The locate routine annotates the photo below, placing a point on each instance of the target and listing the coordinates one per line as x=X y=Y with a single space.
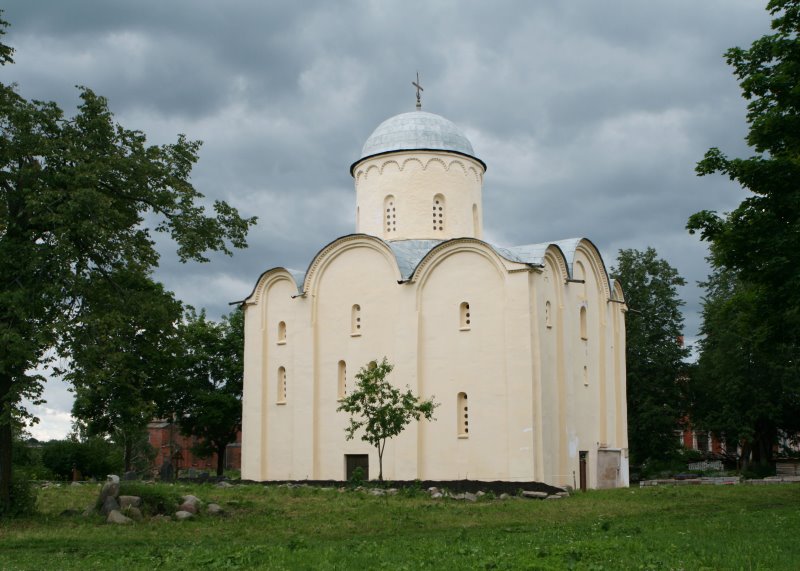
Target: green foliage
x=654 y=355
x=380 y=410
x=356 y=478
x=76 y=197
x=156 y=499
x=749 y=373
x=22 y=499
x=94 y=457
x=207 y=385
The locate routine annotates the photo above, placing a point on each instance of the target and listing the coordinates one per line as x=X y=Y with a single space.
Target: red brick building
x=171 y=445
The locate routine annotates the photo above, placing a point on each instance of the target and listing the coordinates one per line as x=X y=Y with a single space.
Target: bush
x=23 y=498
x=93 y=457
x=155 y=499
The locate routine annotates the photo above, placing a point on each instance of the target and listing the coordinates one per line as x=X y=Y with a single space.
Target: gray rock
x=110 y=490
x=110 y=504
x=114 y=516
x=129 y=501
x=458 y=496
x=215 y=509
x=433 y=490
x=133 y=513
x=112 y=478
x=480 y=493
x=160 y=518
x=73 y=484
x=470 y=497
x=504 y=496
x=187 y=507
x=224 y=484
x=392 y=491
x=190 y=499
x=563 y=494
x=553 y=497
x=182 y=515
x=535 y=495
x=377 y=492
x=436 y=496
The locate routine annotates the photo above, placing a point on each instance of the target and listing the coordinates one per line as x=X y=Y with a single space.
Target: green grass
x=692 y=527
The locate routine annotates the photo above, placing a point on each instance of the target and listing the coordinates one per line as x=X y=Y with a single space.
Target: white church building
x=523 y=347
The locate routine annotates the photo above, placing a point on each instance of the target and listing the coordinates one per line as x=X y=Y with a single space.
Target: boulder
x=114 y=516
x=470 y=497
x=134 y=513
x=215 y=509
x=224 y=484
x=392 y=491
x=110 y=490
x=480 y=493
x=535 y=495
x=436 y=496
x=182 y=515
x=190 y=499
x=114 y=479
x=433 y=490
x=110 y=504
x=188 y=507
x=377 y=492
x=553 y=497
x=129 y=501
x=504 y=496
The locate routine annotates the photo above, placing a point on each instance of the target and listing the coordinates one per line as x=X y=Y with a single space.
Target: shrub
x=155 y=499
x=23 y=498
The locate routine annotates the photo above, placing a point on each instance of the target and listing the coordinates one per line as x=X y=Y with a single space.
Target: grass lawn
x=692 y=527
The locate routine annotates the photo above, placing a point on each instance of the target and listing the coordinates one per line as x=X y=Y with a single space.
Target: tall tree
x=380 y=410
x=757 y=246
x=208 y=382
x=654 y=353
x=123 y=357
x=75 y=198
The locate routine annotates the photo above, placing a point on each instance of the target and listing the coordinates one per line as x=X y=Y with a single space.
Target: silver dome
x=416 y=130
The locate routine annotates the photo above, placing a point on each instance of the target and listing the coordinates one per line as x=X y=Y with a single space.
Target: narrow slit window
x=281 y=332
x=475 y=225
x=355 y=320
x=585 y=376
x=281 y=385
x=438 y=213
x=389 y=216
x=342 y=380
x=463 y=415
x=465 y=316
x=584 y=334
x=548 y=318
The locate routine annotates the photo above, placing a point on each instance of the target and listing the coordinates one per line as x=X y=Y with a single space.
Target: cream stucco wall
x=532 y=409
x=414 y=180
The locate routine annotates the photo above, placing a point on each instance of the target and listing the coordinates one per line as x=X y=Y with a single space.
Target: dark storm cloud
x=590 y=115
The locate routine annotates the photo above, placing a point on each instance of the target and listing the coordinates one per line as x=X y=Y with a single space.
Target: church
x=523 y=347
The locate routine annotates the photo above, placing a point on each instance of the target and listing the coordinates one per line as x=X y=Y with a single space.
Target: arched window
x=389 y=216
x=438 y=213
x=584 y=334
x=355 y=320
x=281 y=333
x=464 y=316
x=475 y=230
x=281 y=396
x=463 y=416
x=548 y=317
x=342 y=382
x=585 y=376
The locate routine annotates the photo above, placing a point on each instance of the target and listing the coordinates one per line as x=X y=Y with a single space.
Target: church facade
x=522 y=347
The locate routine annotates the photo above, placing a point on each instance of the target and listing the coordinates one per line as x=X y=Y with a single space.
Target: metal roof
x=417 y=130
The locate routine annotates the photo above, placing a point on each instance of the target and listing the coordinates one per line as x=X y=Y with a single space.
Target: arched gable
x=452 y=247
x=265 y=281
x=596 y=264
x=340 y=245
x=616 y=289
x=555 y=255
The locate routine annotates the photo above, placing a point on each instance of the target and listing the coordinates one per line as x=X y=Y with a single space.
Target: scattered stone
x=480 y=493
x=215 y=509
x=182 y=515
x=535 y=495
x=75 y=484
x=436 y=496
x=377 y=492
x=470 y=497
x=188 y=507
x=504 y=496
x=190 y=499
x=563 y=494
x=130 y=501
x=114 y=516
x=110 y=504
x=130 y=476
x=134 y=513
x=554 y=497
x=433 y=490
x=392 y=491
x=160 y=518
x=114 y=479
x=224 y=484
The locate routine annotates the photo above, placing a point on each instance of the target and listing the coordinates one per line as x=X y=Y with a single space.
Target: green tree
x=76 y=195
x=654 y=354
x=381 y=410
x=123 y=356
x=755 y=249
x=208 y=382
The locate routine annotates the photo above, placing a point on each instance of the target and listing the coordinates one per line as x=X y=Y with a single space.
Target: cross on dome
x=419 y=88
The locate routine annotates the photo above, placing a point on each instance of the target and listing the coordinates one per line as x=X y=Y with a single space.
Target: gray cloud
x=590 y=115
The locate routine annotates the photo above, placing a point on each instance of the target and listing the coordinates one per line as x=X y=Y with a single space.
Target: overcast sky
x=590 y=115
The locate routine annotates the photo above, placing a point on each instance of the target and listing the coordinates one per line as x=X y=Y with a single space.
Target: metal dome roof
x=417 y=130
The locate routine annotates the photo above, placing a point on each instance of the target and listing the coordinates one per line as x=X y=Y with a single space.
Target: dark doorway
x=353 y=461
x=584 y=462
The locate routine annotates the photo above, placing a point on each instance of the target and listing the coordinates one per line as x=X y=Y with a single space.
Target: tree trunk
x=380 y=463
x=745 y=455
x=128 y=452
x=221 y=458
x=5 y=462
